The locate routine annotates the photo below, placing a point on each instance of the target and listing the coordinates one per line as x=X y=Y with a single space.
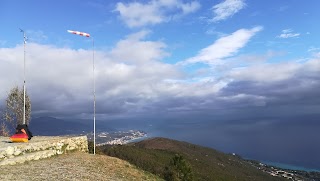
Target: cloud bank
x=134 y=81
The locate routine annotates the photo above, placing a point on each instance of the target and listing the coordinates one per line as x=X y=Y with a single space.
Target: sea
x=285 y=144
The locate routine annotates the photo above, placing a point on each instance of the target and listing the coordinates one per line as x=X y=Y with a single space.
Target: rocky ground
x=75 y=166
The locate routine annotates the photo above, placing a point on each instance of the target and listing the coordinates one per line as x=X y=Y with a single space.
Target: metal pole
x=94 y=87
x=94 y=101
x=24 y=77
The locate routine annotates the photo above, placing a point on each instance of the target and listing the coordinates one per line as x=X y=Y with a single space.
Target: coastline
x=289 y=166
x=122 y=137
x=137 y=139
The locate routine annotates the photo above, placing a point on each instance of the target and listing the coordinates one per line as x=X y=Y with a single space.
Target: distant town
x=295 y=175
x=118 y=137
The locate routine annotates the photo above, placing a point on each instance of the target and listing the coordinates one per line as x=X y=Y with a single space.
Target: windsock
x=79 y=33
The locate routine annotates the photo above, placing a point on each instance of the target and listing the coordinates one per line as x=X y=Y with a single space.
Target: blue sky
x=249 y=63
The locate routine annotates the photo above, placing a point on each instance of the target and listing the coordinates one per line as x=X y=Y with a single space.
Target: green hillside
x=170 y=159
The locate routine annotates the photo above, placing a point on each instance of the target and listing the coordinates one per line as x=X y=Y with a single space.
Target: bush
x=179 y=169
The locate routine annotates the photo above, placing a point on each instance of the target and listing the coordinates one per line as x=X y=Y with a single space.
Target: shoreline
x=289 y=166
x=127 y=137
x=285 y=166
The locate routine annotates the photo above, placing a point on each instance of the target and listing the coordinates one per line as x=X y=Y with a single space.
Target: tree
x=4 y=130
x=13 y=113
x=179 y=169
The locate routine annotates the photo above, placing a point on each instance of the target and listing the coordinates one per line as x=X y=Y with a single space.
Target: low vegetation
x=175 y=160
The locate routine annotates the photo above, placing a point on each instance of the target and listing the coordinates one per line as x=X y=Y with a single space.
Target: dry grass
x=75 y=166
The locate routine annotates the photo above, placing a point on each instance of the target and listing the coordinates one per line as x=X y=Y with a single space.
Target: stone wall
x=40 y=147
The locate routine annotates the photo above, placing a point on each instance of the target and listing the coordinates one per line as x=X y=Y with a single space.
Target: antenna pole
x=94 y=101
x=24 y=76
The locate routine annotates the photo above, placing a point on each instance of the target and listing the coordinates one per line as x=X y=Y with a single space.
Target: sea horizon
x=260 y=143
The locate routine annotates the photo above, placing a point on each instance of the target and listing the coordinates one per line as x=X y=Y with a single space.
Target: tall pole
x=94 y=87
x=94 y=101
x=24 y=76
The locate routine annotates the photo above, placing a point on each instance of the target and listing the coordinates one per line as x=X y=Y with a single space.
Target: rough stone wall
x=21 y=152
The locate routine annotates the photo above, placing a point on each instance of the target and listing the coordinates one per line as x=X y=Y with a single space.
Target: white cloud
x=313 y=49
x=227 y=9
x=277 y=71
x=288 y=33
x=286 y=30
x=189 y=7
x=265 y=72
x=313 y=65
x=224 y=47
x=137 y=14
x=135 y=51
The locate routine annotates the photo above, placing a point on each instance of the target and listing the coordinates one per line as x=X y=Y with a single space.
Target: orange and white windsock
x=79 y=33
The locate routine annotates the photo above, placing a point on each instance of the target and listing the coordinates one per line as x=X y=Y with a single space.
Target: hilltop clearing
x=75 y=166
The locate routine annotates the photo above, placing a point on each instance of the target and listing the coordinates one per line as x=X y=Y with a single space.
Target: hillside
x=75 y=166
x=155 y=155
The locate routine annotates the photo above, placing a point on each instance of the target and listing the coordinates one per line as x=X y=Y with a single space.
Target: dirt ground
x=75 y=166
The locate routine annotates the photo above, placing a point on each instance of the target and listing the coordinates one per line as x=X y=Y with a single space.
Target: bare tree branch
x=13 y=113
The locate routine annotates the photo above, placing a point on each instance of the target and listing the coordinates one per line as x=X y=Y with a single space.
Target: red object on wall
x=19 y=137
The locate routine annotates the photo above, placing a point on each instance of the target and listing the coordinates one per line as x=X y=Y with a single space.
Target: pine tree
x=179 y=170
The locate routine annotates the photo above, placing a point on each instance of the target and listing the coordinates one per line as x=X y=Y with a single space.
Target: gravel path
x=75 y=166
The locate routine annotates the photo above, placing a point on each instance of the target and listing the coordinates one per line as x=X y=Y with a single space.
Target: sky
x=241 y=62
